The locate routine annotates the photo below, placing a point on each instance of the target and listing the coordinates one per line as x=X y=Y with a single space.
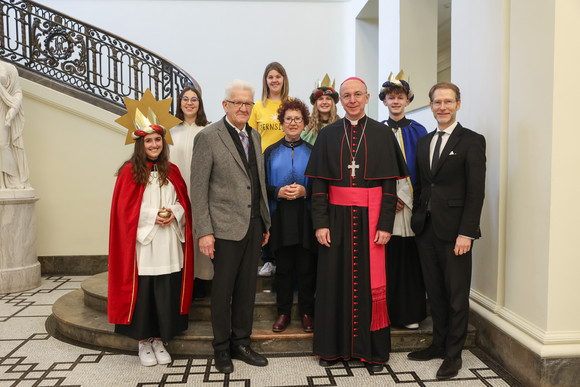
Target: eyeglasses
x=446 y=103
x=295 y=119
x=186 y=100
x=357 y=95
x=239 y=104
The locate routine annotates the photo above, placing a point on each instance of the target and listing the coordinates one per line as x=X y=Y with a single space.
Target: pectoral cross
x=353 y=167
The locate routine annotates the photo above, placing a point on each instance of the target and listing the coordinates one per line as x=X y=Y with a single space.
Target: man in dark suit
x=230 y=208
x=448 y=197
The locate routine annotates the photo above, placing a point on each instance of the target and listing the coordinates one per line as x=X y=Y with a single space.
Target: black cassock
x=344 y=304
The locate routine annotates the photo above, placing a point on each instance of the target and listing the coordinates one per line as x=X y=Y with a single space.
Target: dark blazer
x=455 y=189
x=220 y=185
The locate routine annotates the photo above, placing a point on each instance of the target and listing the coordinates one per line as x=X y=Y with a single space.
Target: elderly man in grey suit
x=230 y=208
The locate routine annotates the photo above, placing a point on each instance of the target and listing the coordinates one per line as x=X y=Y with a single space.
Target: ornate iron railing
x=84 y=57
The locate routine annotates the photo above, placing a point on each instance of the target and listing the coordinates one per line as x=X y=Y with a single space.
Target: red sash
x=371 y=198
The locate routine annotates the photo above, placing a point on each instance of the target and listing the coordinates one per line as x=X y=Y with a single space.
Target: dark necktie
x=437 y=151
x=245 y=142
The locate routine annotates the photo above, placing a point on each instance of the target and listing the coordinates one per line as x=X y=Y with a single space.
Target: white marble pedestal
x=19 y=266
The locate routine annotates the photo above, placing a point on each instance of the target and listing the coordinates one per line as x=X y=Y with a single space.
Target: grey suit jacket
x=220 y=185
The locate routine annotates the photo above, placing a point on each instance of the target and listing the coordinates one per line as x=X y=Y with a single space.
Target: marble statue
x=13 y=166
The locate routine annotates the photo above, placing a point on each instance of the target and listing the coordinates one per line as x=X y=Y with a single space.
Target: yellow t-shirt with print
x=265 y=120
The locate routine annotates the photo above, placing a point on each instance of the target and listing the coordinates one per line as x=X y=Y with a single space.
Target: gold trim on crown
x=400 y=77
x=325 y=82
x=157 y=113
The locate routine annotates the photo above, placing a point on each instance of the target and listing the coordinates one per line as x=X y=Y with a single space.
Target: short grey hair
x=238 y=84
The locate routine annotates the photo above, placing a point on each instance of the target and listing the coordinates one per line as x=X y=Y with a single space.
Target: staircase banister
x=87 y=61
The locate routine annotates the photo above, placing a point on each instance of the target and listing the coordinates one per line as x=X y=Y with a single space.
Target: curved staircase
x=82 y=317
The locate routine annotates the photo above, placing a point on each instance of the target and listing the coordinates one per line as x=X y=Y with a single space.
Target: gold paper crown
x=400 y=80
x=400 y=77
x=325 y=82
x=157 y=114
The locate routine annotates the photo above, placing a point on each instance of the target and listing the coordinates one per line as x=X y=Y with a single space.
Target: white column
x=519 y=82
x=19 y=266
x=408 y=41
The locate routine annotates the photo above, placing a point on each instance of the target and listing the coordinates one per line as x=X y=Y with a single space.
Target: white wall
x=564 y=267
x=73 y=151
x=485 y=24
x=530 y=159
x=216 y=41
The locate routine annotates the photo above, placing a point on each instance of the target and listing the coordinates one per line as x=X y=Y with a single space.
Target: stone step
x=81 y=316
x=79 y=322
x=95 y=297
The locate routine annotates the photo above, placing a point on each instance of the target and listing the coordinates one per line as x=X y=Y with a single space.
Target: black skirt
x=156 y=311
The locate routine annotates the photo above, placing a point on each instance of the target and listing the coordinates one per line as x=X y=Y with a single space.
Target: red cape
x=123 y=272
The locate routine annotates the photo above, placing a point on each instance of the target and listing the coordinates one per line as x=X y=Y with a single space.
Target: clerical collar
x=355 y=122
x=292 y=144
x=402 y=123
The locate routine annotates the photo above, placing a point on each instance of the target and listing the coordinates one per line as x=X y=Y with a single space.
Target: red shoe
x=281 y=324
x=308 y=323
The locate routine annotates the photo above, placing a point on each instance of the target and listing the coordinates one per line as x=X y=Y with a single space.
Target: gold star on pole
x=159 y=108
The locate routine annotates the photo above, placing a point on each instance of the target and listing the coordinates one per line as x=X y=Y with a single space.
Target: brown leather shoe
x=281 y=324
x=307 y=323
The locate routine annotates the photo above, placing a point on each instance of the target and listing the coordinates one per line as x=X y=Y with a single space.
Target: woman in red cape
x=150 y=248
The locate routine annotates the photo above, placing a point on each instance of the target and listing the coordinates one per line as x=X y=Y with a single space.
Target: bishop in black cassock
x=355 y=165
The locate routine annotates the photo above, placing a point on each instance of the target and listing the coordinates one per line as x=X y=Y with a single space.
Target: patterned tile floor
x=30 y=356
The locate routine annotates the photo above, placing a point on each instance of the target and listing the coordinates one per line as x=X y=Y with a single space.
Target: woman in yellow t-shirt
x=264 y=117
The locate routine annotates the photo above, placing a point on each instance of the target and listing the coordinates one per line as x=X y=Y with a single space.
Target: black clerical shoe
x=327 y=363
x=373 y=367
x=246 y=354
x=450 y=368
x=223 y=362
x=425 y=354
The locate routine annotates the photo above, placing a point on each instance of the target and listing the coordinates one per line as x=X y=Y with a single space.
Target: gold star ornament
x=158 y=110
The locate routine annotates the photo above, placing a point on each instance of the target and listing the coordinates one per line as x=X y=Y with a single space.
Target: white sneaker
x=146 y=354
x=267 y=270
x=412 y=326
x=161 y=353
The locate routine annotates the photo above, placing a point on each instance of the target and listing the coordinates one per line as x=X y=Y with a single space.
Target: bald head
x=355 y=79
x=354 y=97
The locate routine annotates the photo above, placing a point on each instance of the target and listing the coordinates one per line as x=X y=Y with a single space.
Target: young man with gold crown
x=150 y=242
x=405 y=288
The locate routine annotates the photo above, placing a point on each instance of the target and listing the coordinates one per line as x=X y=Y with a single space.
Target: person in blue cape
x=289 y=199
x=405 y=287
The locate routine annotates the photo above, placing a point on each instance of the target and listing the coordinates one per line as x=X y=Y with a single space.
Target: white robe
x=180 y=153
x=159 y=249
x=402 y=225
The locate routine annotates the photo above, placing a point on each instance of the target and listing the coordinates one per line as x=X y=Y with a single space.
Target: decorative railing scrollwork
x=84 y=57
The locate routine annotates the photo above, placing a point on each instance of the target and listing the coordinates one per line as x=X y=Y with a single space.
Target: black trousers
x=233 y=289
x=447 y=281
x=297 y=260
